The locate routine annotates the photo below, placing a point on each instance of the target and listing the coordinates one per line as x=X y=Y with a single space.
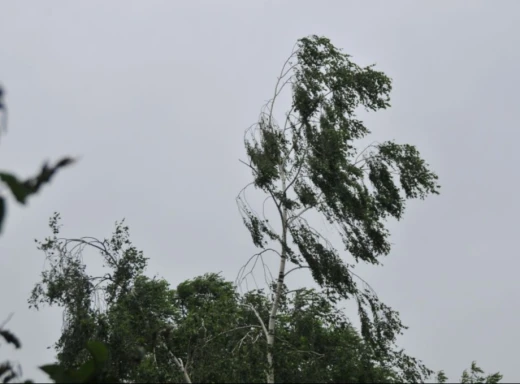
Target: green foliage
x=475 y=376
x=204 y=324
x=67 y=284
x=441 y=377
x=87 y=372
x=202 y=331
x=311 y=162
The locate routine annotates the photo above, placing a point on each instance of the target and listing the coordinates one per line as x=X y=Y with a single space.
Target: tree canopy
x=202 y=331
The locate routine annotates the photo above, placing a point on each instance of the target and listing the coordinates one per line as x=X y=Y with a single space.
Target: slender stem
x=279 y=284
x=261 y=321
x=297 y=268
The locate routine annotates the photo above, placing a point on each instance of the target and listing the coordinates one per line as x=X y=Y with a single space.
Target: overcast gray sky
x=155 y=96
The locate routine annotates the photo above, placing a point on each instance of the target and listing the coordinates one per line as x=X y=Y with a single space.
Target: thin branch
x=282 y=75
x=240 y=276
x=298 y=215
x=302 y=163
x=249 y=165
x=248 y=334
x=364 y=282
x=265 y=266
x=363 y=151
x=317 y=233
x=229 y=331
x=266 y=333
x=240 y=342
x=296 y=290
x=9 y=317
x=288 y=118
x=298 y=350
x=245 y=203
x=92 y=243
x=296 y=268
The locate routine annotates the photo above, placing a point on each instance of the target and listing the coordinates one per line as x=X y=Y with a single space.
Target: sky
x=154 y=97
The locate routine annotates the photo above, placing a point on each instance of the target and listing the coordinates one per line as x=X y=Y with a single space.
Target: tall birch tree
x=308 y=162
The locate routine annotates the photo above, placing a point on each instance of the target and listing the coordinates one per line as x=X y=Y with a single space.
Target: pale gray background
x=155 y=95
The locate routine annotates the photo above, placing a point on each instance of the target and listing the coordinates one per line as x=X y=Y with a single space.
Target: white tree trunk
x=279 y=285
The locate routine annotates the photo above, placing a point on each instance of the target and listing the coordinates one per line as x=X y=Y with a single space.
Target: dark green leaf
x=10 y=338
x=55 y=372
x=98 y=351
x=18 y=188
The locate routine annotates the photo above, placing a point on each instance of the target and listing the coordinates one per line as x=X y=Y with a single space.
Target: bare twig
x=9 y=317
x=241 y=277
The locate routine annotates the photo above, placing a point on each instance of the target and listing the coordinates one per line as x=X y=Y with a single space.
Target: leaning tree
x=310 y=162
